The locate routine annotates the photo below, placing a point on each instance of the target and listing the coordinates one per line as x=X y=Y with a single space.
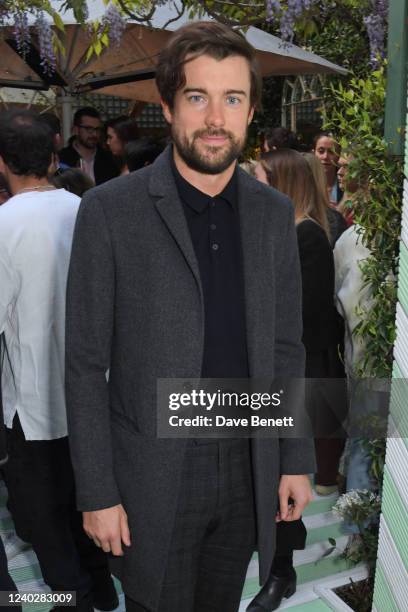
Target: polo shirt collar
x=199 y=201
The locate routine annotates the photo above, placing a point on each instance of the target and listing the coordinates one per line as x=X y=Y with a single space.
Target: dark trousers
x=214 y=532
x=40 y=483
x=328 y=407
x=6 y=581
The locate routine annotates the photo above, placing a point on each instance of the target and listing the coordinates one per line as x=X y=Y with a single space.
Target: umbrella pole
x=65 y=102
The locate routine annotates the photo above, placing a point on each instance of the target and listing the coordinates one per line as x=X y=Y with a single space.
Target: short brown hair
x=203 y=38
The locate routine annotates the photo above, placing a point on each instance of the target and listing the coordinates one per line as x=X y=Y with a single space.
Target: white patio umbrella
x=128 y=71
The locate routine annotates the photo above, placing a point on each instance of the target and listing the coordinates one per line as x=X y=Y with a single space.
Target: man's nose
x=215 y=114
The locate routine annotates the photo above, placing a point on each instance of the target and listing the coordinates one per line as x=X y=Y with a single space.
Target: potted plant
x=360 y=508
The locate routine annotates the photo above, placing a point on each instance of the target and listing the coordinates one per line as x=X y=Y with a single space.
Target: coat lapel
x=251 y=213
x=169 y=206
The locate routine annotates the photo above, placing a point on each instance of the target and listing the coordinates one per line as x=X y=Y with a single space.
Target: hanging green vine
x=356 y=113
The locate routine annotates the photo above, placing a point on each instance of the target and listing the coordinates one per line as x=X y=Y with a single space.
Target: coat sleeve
x=89 y=328
x=296 y=454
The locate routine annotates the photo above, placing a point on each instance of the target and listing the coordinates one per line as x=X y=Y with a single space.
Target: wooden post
x=396 y=101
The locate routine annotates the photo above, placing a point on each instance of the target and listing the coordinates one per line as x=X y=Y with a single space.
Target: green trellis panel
x=384 y=599
x=403 y=277
x=396 y=514
x=394 y=510
x=398 y=406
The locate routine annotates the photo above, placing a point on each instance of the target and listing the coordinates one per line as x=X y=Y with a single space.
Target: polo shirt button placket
x=213 y=227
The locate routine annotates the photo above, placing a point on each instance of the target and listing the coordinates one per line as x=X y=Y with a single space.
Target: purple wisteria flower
x=376 y=24
x=44 y=33
x=287 y=13
x=22 y=32
x=115 y=22
x=273 y=9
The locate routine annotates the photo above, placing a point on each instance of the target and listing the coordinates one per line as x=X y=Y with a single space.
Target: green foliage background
x=356 y=114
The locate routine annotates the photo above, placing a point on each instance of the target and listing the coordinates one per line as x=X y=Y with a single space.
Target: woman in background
x=337 y=223
x=119 y=132
x=142 y=152
x=323 y=333
x=350 y=188
x=288 y=171
x=327 y=151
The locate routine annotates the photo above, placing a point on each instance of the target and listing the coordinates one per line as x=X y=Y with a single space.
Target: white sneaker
x=13 y=545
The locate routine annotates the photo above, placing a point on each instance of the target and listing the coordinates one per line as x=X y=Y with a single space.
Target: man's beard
x=219 y=158
x=91 y=146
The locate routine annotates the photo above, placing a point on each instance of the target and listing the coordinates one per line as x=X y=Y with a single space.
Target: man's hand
x=108 y=528
x=297 y=488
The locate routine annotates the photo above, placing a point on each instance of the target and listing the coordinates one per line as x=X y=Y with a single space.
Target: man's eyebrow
x=239 y=92
x=195 y=89
x=229 y=92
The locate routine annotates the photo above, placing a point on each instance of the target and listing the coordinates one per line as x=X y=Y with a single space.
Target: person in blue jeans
x=368 y=399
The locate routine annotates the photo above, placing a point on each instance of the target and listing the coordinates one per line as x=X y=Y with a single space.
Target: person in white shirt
x=36 y=228
x=353 y=297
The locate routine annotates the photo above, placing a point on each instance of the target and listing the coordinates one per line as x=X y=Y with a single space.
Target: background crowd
x=322 y=189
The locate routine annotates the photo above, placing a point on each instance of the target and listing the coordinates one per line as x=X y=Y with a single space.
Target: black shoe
x=104 y=596
x=274 y=590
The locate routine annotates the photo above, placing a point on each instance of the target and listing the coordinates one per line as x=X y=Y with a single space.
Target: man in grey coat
x=185 y=269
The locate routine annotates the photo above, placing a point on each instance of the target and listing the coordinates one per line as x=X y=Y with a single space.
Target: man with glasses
x=84 y=150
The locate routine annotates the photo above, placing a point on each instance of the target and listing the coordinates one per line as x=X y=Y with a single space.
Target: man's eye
x=233 y=100
x=196 y=98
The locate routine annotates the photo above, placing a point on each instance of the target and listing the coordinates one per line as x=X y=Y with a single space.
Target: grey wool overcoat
x=135 y=307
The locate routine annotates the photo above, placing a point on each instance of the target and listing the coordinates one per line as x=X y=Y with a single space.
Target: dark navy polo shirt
x=214 y=226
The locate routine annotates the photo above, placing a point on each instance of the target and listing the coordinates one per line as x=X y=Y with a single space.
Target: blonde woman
x=327 y=150
x=337 y=222
x=288 y=171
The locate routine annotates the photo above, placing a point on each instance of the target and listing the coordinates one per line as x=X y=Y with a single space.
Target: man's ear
x=166 y=111
x=2 y=166
x=251 y=114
